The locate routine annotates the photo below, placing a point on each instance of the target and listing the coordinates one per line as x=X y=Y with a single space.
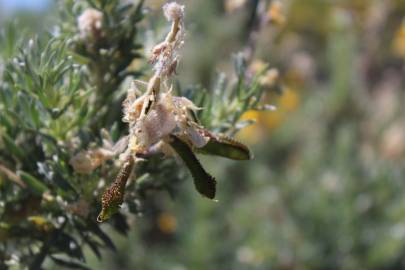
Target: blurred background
x=326 y=189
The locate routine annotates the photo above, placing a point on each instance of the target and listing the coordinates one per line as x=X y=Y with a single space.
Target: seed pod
x=113 y=196
x=203 y=181
x=224 y=146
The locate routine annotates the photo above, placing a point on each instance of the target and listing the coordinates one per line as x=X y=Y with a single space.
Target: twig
x=12 y=176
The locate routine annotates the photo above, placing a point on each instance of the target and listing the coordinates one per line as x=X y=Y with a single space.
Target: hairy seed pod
x=113 y=196
x=220 y=145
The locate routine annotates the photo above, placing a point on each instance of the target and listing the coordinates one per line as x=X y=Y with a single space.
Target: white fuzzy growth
x=173 y=11
x=165 y=56
x=158 y=123
x=89 y=22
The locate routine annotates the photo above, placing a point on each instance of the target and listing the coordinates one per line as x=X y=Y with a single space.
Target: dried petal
x=158 y=123
x=183 y=103
x=82 y=162
x=87 y=161
x=120 y=146
x=132 y=107
x=196 y=138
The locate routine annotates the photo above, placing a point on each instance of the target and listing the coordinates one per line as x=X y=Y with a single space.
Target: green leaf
x=204 y=182
x=12 y=147
x=63 y=185
x=93 y=245
x=69 y=264
x=67 y=244
x=35 y=185
x=95 y=228
x=226 y=147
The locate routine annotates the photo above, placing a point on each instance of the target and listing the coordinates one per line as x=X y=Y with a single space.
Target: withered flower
x=90 y=23
x=86 y=161
x=159 y=121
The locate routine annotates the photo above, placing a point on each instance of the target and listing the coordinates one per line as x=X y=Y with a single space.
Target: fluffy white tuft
x=90 y=22
x=173 y=11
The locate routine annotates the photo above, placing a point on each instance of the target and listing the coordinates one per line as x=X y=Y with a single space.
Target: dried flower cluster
x=159 y=121
x=90 y=23
x=86 y=161
x=156 y=114
x=165 y=56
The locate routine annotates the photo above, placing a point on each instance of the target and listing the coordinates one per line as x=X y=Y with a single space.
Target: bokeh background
x=326 y=189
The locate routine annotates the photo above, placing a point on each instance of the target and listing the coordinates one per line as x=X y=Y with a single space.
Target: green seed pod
x=203 y=181
x=226 y=147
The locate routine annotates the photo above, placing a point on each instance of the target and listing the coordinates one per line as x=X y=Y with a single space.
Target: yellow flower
x=275 y=13
x=289 y=100
x=167 y=223
x=252 y=133
x=399 y=41
x=41 y=223
x=269 y=120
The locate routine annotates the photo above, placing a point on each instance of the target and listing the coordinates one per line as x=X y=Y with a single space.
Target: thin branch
x=12 y=176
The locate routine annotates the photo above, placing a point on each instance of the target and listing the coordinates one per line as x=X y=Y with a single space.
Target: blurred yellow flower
x=270 y=78
x=399 y=41
x=252 y=133
x=250 y=115
x=275 y=13
x=272 y=120
x=269 y=120
x=41 y=223
x=289 y=100
x=257 y=66
x=167 y=223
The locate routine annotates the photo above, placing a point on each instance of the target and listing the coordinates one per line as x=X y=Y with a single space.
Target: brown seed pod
x=113 y=196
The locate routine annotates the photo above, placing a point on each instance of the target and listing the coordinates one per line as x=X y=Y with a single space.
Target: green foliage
x=57 y=91
x=325 y=190
x=226 y=103
x=48 y=98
